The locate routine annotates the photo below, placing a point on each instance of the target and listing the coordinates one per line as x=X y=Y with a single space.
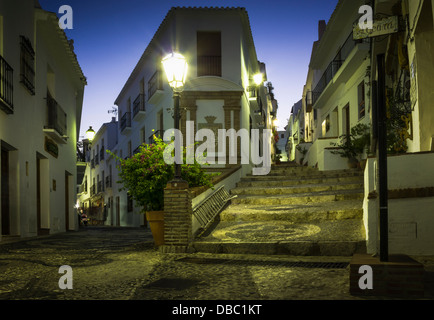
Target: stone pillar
x=177 y=217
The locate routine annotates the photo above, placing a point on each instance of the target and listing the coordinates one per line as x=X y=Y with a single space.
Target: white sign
x=379 y=28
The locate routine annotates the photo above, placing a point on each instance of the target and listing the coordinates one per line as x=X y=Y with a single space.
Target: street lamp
x=175 y=67
x=258 y=78
x=90 y=134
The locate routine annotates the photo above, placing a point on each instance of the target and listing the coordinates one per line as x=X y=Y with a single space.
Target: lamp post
x=175 y=67
x=90 y=134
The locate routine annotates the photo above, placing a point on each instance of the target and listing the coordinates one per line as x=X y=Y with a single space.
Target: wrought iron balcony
x=155 y=87
x=6 y=86
x=126 y=121
x=334 y=66
x=108 y=181
x=100 y=187
x=139 y=106
x=56 y=120
x=102 y=153
x=158 y=134
x=92 y=190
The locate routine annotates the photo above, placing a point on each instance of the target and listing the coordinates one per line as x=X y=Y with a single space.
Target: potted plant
x=353 y=145
x=277 y=158
x=145 y=176
x=302 y=151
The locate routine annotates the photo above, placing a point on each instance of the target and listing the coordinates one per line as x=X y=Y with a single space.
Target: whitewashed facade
x=219 y=92
x=339 y=93
x=41 y=96
x=409 y=66
x=335 y=96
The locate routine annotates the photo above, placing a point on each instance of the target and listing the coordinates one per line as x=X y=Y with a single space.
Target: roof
x=52 y=17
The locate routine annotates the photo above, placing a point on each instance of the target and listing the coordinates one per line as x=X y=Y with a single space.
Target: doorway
x=67 y=199
x=118 y=207
x=5 y=207
x=346 y=120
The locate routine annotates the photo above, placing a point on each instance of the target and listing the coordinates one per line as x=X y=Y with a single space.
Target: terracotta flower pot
x=156 y=222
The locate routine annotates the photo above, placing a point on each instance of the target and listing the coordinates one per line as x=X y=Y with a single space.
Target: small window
x=27 y=68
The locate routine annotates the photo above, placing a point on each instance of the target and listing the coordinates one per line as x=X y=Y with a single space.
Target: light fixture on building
x=90 y=134
x=258 y=78
x=175 y=67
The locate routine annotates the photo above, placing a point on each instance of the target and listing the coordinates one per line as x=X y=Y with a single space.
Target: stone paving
x=111 y=263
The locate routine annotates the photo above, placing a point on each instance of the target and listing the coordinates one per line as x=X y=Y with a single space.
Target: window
x=361 y=101
x=155 y=83
x=27 y=57
x=209 y=56
x=326 y=125
x=130 y=154
x=129 y=203
x=143 y=135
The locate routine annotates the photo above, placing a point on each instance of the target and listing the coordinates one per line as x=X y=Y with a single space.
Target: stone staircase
x=293 y=210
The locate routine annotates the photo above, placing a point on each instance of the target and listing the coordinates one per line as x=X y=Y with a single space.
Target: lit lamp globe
x=258 y=78
x=90 y=134
x=175 y=66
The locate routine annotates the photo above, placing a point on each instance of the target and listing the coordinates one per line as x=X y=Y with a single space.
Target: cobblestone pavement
x=122 y=264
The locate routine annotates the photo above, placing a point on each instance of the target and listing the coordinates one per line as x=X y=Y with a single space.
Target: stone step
x=287 y=181
x=336 y=210
x=307 y=188
x=302 y=175
x=325 y=238
x=300 y=198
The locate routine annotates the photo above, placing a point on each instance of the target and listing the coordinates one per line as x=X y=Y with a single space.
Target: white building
x=336 y=94
x=219 y=93
x=281 y=145
x=341 y=91
x=41 y=95
x=295 y=132
x=409 y=67
x=98 y=194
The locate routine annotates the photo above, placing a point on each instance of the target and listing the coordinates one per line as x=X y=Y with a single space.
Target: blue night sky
x=111 y=35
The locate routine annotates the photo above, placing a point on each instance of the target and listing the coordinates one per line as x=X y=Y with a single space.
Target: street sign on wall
x=379 y=28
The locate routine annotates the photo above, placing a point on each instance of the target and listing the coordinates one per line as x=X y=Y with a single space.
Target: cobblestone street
x=122 y=264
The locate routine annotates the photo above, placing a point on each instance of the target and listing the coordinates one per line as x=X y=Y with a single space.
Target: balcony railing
x=102 y=153
x=158 y=133
x=92 y=190
x=209 y=66
x=155 y=83
x=56 y=116
x=126 y=121
x=6 y=86
x=334 y=66
x=139 y=104
x=108 y=182
x=100 y=187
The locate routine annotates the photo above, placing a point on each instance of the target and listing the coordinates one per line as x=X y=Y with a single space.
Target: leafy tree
x=146 y=174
